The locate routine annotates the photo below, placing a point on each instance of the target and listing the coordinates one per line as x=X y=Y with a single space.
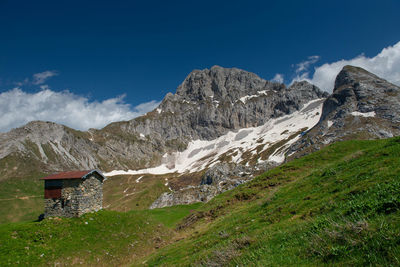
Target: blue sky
x=100 y=50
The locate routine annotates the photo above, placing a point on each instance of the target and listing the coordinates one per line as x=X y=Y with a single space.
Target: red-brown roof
x=70 y=175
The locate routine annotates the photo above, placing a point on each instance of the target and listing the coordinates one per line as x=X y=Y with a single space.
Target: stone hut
x=71 y=194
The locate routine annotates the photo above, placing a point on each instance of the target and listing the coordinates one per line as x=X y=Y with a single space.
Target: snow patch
x=91 y=137
x=159 y=110
x=202 y=153
x=366 y=114
x=330 y=123
x=138 y=179
x=259 y=93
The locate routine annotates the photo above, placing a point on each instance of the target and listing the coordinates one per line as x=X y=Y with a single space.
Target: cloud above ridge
x=18 y=107
x=386 y=64
x=279 y=78
x=42 y=77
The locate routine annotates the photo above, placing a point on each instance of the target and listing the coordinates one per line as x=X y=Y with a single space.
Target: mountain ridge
x=199 y=142
x=207 y=104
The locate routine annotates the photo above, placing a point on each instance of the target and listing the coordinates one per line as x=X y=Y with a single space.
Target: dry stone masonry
x=72 y=194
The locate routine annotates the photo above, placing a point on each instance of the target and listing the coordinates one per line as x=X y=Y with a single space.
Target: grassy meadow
x=336 y=207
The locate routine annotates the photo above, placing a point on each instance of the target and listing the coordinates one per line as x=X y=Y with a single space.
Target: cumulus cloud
x=18 y=107
x=40 y=78
x=386 y=64
x=278 y=78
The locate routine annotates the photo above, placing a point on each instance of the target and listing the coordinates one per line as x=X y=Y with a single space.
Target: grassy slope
x=123 y=193
x=339 y=206
x=105 y=238
x=21 y=199
x=21 y=193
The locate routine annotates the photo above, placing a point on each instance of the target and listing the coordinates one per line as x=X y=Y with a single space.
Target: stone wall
x=77 y=197
x=90 y=194
x=53 y=207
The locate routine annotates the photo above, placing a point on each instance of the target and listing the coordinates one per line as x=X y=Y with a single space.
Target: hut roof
x=72 y=175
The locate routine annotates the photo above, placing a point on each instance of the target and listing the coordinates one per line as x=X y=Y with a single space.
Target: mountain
x=208 y=104
x=220 y=128
x=362 y=106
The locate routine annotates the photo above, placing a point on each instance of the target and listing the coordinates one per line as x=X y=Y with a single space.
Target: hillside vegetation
x=21 y=199
x=338 y=206
x=105 y=238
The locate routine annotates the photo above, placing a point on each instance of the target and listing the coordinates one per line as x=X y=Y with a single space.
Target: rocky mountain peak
x=350 y=75
x=362 y=106
x=307 y=90
x=357 y=90
x=34 y=130
x=219 y=83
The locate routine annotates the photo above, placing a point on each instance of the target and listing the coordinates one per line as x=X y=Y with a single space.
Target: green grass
x=21 y=199
x=123 y=193
x=170 y=216
x=337 y=207
x=100 y=239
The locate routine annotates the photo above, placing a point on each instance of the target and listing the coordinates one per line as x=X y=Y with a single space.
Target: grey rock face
x=216 y=180
x=208 y=104
x=362 y=106
x=48 y=146
x=222 y=172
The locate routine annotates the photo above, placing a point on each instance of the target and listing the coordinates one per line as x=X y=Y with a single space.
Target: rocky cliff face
x=362 y=106
x=208 y=104
x=216 y=180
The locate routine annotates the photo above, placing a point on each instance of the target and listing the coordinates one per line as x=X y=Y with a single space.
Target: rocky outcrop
x=362 y=106
x=216 y=180
x=222 y=172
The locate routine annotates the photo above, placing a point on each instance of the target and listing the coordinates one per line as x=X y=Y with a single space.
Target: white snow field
x=202 y=153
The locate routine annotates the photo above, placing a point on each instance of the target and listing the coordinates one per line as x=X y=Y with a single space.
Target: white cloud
x=386 y=65
x=24 y=82
x=40 y=78
x=303 y=66
x=18 y=108
x=44 y=87
x=278 y=78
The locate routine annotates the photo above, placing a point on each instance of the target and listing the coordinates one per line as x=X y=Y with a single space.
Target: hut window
x=52 y=189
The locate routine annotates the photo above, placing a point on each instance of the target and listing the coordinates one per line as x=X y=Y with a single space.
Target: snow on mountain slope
x=240 y=146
